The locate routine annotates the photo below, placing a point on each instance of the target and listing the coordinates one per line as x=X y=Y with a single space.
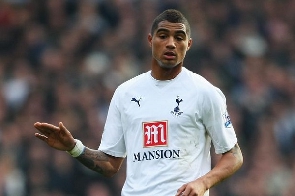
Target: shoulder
x=204 y=90
x=132 y=83
x=137 y=80
x=199 y=82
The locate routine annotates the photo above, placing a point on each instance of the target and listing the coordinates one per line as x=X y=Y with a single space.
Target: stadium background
x=60 y=60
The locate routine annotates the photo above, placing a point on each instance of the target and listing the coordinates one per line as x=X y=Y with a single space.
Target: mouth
x=169 y=55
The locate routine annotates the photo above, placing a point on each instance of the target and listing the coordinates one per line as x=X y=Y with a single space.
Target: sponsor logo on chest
x=155 y=133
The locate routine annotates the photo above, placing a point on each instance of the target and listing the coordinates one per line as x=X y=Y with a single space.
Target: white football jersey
x=165 y=129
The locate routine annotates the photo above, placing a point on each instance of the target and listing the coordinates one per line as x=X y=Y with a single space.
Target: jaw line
x=166 y=66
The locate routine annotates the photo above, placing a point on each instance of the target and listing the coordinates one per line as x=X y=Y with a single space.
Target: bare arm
x=228 y=164
x=100 y=162
x=60 y=138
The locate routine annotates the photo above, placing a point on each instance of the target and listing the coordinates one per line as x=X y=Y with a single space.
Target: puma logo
x=137 y=101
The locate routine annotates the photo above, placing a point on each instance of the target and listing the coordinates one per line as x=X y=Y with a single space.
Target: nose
x=170 y=43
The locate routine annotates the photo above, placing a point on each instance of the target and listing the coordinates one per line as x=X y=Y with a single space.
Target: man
x=163 y=121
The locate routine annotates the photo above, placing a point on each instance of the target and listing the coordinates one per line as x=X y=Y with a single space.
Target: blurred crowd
x=61 y=60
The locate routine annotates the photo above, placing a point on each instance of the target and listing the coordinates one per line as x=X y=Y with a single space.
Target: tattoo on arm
x=90 y=159
x=235 y=150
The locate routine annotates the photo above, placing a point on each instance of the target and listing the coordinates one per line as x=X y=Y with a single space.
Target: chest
x=157 y=120
x=155 y=106
x=176 y=112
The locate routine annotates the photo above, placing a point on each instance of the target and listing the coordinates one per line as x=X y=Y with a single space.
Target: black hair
x=171 y=15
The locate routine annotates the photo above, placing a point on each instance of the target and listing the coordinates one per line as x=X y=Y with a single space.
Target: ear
x=190 y=41
x=150 y=38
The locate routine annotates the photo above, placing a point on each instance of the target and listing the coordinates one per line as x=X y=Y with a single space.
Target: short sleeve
x=217 y=121
x=112 y=141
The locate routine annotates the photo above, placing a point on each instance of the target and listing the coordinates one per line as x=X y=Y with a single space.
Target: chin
x=167 y=65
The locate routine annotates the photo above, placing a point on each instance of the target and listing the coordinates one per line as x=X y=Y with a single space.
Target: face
x=169 y=44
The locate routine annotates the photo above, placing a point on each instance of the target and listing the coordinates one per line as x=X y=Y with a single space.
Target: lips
x=169 y=55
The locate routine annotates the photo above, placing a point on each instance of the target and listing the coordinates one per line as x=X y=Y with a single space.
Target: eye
x=162 y=36
x=178 y=38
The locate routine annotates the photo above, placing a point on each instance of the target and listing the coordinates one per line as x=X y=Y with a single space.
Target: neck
x=160 y=73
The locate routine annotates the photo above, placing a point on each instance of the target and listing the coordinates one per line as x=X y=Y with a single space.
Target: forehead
x=165 y=25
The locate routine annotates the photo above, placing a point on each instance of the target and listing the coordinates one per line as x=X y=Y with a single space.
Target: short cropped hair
x=173 y=16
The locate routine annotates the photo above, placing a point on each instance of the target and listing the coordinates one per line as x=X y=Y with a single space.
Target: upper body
x=165 y=128
x=164 y=121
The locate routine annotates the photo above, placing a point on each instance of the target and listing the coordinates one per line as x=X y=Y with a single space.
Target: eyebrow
x=166 y=30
